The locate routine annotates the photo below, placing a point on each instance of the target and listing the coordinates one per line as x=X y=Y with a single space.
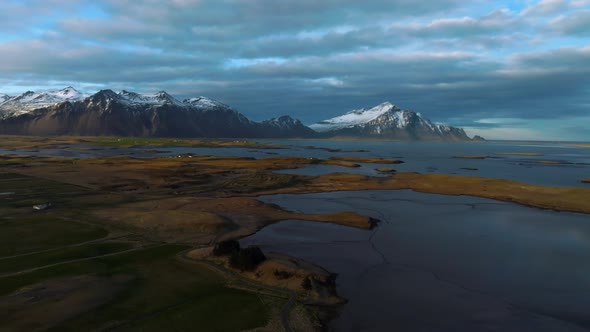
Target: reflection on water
x=441 y=263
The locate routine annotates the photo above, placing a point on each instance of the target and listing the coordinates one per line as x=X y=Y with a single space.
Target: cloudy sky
x=513 y=69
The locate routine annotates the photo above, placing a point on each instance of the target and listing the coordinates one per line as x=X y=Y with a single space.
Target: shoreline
x=569 y=199
x=203 y=199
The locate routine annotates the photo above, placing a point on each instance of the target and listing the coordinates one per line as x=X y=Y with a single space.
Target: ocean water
x=568 y=164
x=444 y=263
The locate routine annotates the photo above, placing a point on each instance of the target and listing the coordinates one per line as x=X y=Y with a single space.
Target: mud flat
x=436 y=262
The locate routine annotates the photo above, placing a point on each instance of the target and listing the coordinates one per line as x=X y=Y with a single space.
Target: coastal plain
x=126 y=242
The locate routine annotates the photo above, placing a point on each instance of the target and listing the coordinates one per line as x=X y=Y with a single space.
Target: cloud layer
x=523 y=64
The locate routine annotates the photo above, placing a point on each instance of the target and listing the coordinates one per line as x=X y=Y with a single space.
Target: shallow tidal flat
x=162 y=206
x=439 y=262
x=242 y=176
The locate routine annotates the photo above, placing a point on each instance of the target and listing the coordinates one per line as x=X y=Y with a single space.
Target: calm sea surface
x=444 y=263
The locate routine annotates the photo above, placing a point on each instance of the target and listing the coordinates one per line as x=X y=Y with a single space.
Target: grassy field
x=22 y=263
x=168 y=293
x=160 y=291
x=20 y=236
x=32 y=143
x=244 y=313
x=122 y=142
x=72 y=286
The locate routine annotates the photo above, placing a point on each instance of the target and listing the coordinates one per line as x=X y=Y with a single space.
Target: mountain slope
x=388 y=121
x=130 y=114
x=29 y=101
x=286 y=126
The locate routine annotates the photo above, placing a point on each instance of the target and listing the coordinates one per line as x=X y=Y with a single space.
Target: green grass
x=11 y=176
x=103 y=266
x=23 y=263
x=29 y=191
x=23 y=230
x=165 y=293
x=19 y=236
x=205 y=312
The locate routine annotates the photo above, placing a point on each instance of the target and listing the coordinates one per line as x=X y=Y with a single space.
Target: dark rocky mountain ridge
x=68 y=112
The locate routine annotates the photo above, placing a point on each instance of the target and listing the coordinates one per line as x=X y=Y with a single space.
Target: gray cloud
x=577 y=24
x=494 y=22
x=315 y=59
x=546 y=7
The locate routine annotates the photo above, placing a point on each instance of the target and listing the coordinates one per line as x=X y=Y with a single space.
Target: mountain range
x=70 y=112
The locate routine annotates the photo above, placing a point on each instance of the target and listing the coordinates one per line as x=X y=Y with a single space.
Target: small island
x=385 y=170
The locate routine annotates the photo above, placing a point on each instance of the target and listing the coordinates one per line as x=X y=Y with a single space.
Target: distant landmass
x=125 y=113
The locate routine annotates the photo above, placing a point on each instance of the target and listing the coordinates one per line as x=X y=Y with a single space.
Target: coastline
x=214 y=198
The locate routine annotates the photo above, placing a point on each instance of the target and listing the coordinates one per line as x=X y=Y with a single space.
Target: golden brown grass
x=202 y=220
x=283 y=271
x=227 y=177
x=557 y=198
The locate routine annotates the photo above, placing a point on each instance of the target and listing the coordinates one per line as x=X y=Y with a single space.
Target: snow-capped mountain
x=205 y=103
x=388 y=121
x=353 y=118
x=29 y=101
x=126 y=113
x=67 y=112
x=159 y=98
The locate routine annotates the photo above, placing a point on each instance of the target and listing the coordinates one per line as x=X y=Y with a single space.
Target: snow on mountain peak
x=158 y=98
x=355 y=117
x=68 y=92
x=204 y=102
x=31 y=100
